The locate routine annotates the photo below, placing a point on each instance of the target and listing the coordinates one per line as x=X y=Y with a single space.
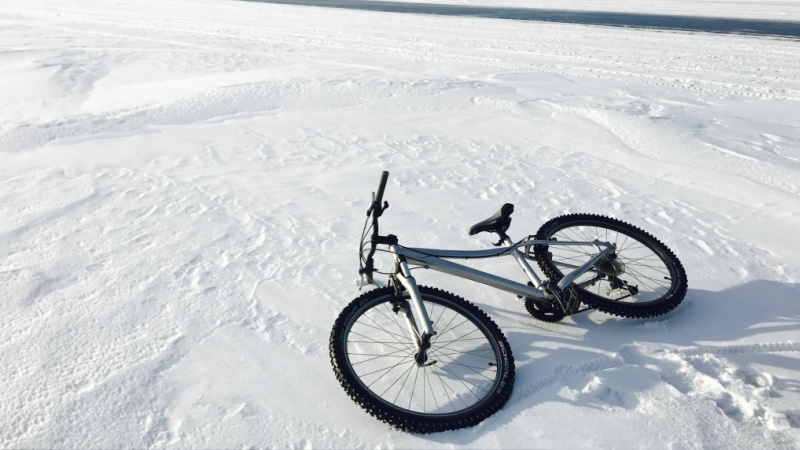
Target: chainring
x=546 y=312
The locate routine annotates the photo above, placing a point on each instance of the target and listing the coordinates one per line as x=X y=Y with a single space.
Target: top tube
x=460 y=254
x=493 y=252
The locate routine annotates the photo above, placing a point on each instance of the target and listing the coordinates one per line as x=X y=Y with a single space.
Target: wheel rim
x=647 y=277
x=381 y=353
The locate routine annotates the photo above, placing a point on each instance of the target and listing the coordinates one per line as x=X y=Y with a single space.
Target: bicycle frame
x=437 y=260
x=426 y=360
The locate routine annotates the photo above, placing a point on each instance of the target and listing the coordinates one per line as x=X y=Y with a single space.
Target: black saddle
x=498 y=223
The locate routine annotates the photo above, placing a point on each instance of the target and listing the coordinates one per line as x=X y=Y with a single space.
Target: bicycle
x=424 y=360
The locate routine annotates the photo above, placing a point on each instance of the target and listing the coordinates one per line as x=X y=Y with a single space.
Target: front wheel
x=465 y=377
x=644 y=280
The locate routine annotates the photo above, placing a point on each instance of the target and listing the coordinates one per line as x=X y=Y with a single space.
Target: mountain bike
x=425 y=360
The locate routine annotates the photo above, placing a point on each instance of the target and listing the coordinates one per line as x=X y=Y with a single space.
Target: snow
x=183 y=186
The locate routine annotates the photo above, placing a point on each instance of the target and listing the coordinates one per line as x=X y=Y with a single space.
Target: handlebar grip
x=381 y=187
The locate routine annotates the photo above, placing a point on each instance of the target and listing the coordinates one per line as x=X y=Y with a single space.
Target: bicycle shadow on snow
x=547 y=353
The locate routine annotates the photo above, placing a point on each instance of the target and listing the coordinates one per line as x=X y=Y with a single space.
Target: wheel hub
x=610 y=266
x=422 y=354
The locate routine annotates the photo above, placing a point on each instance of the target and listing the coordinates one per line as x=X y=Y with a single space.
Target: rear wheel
x=465 y=376
x=644 y=280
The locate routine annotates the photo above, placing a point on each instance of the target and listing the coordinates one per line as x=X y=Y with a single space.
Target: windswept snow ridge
x=183 y=185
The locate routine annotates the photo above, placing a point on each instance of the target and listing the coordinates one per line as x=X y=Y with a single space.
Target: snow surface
x=183 y=185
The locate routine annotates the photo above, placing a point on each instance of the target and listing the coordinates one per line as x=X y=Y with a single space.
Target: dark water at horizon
x=755 y=27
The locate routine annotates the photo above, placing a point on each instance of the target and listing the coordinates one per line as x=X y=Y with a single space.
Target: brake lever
x=377 y=208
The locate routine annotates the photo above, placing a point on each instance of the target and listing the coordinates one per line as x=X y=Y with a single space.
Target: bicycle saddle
x=497 y=223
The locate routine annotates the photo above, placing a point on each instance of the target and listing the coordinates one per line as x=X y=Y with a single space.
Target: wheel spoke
x=466 y=353
x=386 y=369
x=391 y=345
x=633 y=271
x=400 y=391
x=436 y=338
x=379 y=327
x=462 y=363
x=374 y=356
x=395 y=320
x=446 y=387
x=477 y=370
x=413 y=388
x=651 y=270
x=464 y=383
x=460 y=338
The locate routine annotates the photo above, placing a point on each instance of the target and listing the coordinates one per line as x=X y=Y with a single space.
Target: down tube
x=469 y=273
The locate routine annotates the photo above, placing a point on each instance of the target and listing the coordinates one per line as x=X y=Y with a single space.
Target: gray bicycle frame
x=436 y=259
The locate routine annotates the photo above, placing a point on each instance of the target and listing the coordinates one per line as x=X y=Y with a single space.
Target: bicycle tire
x=651 y=280
x=462 y=367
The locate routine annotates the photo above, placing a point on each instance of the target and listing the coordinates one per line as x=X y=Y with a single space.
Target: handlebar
x=375 y=210
x=381 y=187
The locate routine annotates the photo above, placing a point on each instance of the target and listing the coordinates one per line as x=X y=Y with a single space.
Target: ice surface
x=183 y=185
x=787 y=10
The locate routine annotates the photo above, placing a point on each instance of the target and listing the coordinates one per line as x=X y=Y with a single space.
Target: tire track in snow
x=634 y=356
x=716 y=399
x=617 y=360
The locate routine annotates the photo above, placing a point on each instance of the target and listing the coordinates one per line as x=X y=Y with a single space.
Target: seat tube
x=523 y=264
x=417 y=306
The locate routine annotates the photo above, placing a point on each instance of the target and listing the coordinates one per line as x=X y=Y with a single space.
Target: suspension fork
x=417 y=319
